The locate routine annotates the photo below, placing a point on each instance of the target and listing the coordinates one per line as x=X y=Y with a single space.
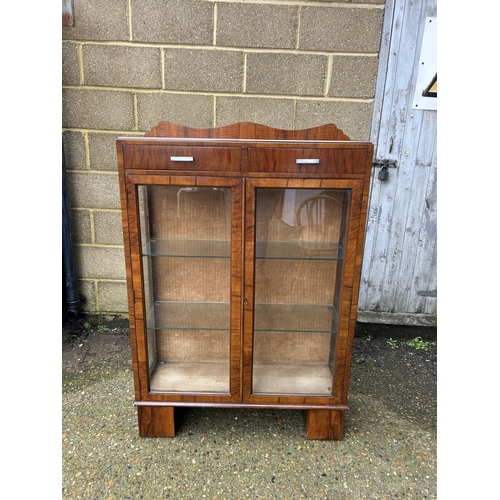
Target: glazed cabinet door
x=298 y=282
x=189 y=250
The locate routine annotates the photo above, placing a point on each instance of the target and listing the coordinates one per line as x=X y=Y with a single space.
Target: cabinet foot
x=325 y=424
x=156 y=421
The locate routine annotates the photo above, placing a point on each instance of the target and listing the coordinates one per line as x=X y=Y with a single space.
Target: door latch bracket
x=385 y=163
x=383 y=174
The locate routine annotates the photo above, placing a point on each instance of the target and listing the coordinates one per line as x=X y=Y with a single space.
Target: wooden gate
x=399 y=281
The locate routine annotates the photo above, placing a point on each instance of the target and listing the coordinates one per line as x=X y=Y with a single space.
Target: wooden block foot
x=325 y=424
x=156 y=421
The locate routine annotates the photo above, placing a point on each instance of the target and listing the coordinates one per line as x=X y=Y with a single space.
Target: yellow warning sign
x=432 y=89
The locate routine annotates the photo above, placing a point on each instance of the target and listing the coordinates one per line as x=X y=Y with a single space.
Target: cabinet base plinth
x=159 y=421
x=156 y=421
x=325 y=424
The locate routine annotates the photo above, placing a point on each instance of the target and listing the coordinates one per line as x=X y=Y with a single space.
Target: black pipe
x=72 y=295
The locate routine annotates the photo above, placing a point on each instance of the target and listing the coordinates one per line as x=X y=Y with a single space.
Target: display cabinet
x=243 y=248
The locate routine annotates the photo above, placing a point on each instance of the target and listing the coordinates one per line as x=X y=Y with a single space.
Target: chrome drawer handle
x=306 y=160
x=181 y=158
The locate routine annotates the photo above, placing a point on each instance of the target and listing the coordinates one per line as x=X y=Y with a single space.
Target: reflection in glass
x=185 y=239
x=299 y=240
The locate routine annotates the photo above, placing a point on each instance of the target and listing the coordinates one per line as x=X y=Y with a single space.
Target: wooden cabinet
x=243 y=249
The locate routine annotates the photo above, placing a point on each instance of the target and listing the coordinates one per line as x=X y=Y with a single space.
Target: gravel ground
x=389 y=449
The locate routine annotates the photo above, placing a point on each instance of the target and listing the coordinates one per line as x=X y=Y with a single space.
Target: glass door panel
x=299 y=250
x=186 y=248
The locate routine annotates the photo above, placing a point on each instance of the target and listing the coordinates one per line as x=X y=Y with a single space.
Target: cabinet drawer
x=182 y=158
x=307 y=161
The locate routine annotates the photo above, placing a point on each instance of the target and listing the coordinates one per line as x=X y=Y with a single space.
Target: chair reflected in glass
x=319 y=219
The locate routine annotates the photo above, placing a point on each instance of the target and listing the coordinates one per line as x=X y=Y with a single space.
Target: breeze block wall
x=128 y=64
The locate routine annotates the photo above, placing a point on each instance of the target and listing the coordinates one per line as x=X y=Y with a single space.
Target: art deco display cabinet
x=243 y=249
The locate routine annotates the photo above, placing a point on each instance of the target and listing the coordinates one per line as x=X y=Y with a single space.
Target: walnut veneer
x=243 y=249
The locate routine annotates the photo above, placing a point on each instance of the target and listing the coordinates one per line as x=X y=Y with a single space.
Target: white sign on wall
x=426 y=87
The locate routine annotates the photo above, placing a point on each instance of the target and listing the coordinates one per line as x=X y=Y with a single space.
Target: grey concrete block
x=98 y=20
x=86 y=289
x=74 y=150
x=112 y=297
x=93 y=190
x=289 y=74
x=204 y=70
x=80 y=226
x=172 y=21
x=94 y=262
x=108 y=227
x=70 y=70
x=97 y=109
x=353 y=76
x=193 y=110
x=102 y=150
x=254 y=25
x=119 y=66
x=337 y=29
x=354 y=118
x=276 y=113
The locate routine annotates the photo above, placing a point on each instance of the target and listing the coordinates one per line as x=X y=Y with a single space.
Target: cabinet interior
x=298 y=252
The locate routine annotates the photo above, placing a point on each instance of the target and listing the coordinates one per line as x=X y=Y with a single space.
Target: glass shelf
x=185 y=247
x=174 y=315
x=220 y=249
x=316 y=318
x=296 y=250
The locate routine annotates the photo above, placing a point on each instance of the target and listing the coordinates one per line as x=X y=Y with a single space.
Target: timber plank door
x=399 y=276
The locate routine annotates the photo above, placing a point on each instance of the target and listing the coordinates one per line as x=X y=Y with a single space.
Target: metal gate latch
x=383 y=175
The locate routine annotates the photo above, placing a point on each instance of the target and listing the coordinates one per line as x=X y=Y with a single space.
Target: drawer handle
x=307 y=160
x=181 y=158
